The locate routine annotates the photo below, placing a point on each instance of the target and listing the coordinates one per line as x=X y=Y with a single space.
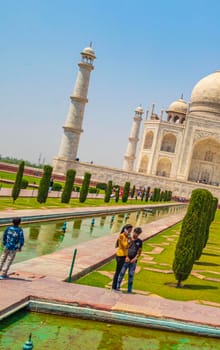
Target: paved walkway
x=43 y=278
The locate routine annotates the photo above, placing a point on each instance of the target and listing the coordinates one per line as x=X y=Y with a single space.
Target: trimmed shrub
x=108 y=192
x=85 y=187
x=44 y=184
x=126 y=192
x=57 y=186
x=18 y=182
x=68 y=187
x=101 y=186
x=93 y=190
x=24 y=183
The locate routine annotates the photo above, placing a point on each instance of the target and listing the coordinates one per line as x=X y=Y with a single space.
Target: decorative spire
x=153 y=106
x=90 y=44
x=181 y=96
x=147 y=111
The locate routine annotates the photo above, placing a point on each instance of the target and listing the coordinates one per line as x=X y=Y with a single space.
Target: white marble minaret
x=73 y=125
x=133 y=140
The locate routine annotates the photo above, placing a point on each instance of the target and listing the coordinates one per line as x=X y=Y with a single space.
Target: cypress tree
x=44 y=184
x=186 y=247
x=212 y=210
x=205 y=199
x=108 y=192
x=162 y=195
x=158 y=195
x=133 y=191
x=117 y=191
x=18 y=182
x=85 y=187
x=126 y=192
x=169 y=195
x=68 y=187
x=147 y=194
x=143 y=194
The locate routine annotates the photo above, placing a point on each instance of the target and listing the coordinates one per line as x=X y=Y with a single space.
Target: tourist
x=63 y=228
x=13 y=240
x=122 y=245
x=134 y=251
x=51 y=184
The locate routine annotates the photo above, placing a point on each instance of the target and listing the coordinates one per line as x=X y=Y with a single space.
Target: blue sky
x=147 y=52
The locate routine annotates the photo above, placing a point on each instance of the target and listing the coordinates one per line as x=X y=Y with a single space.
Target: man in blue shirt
x=13 y=241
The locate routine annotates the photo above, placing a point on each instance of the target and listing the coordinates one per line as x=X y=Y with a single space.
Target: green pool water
x=55 y=332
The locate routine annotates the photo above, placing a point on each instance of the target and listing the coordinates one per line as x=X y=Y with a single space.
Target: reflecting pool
x=55 y=332
x=46 y=237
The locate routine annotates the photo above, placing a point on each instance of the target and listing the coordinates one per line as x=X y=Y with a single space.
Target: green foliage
x=24 y=183
x=142 y=194
x=85 y=187
x=108 y=192
x=126 y=192
x=11 y=160
x=93 y=190
x=44 y=184
x=147 y=194
x=133 y=191
x=169 y=196
x=211 y=210
x=18 y=182
x=57 y=186
x=162 y=196
x=156 y=195
x=214 y=207
x=117 y=193
x=101 y=186
x=68 y=187
x=191 y=239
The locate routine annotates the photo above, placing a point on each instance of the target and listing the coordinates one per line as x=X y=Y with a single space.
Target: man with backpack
x=13 y=241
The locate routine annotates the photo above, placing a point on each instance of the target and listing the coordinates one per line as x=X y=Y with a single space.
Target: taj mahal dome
x=179 y=152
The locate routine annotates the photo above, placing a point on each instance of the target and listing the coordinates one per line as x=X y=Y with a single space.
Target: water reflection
x=44 y=238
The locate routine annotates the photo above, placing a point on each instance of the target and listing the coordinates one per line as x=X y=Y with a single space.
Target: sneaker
x=2 y=277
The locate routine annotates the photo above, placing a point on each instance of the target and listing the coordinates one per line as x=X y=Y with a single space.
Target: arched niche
x=148 y=140
x=143 y=165
x=168 y=143
x=164 y=167
x=205 y=162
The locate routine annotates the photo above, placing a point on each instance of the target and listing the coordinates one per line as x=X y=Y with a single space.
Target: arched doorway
x=164 y=167
x=205 y=162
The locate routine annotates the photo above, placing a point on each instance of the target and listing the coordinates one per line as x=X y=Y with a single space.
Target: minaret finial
x=181 y=96
x=153 y=106
x=147 y=111
x=90 y=45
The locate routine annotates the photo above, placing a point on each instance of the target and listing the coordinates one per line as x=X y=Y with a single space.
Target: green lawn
x=151 y=280
x=31 y=203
